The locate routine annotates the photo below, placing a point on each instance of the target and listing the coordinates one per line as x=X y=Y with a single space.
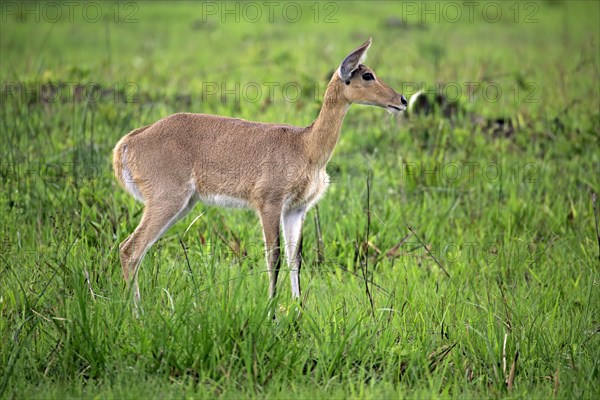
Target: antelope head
x=362 y=86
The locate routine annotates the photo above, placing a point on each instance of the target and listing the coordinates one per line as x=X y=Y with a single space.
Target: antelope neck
x=323 y=134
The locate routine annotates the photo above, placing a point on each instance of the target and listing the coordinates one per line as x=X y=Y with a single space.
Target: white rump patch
x=128 y=179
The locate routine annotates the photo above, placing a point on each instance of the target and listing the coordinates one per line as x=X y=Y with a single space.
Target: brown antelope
x=278 y=170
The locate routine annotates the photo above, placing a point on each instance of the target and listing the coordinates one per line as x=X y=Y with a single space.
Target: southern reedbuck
x=277 y=170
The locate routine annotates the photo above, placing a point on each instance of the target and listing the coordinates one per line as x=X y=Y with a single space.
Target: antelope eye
x=368 y=76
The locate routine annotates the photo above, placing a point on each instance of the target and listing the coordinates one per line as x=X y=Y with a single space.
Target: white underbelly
x=222 y=200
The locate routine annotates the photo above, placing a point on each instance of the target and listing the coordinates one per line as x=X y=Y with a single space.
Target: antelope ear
x=353 y=60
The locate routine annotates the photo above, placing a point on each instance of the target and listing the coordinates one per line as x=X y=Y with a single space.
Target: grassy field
x=494 y=186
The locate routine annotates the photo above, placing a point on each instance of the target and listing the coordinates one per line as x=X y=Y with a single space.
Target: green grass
x=515 y=229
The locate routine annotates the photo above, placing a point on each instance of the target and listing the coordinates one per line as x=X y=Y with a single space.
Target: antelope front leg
x=270 y=224
x=292 y=234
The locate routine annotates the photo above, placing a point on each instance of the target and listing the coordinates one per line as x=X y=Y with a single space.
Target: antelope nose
x=403 y=100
